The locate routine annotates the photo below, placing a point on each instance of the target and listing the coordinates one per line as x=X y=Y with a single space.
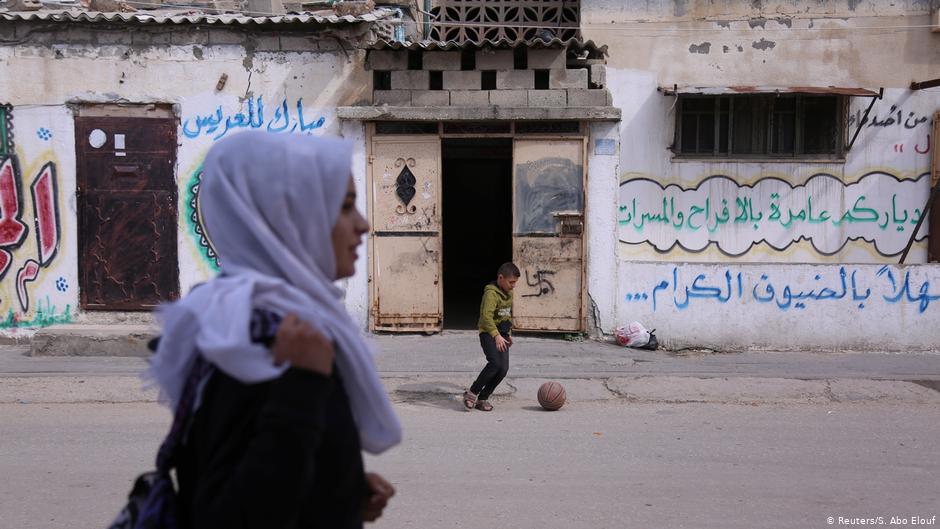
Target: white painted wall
x=185 y=77
x=784 y=43
x=747 y=306
x=42 y=138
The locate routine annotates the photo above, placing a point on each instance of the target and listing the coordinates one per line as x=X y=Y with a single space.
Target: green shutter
x=6 y=130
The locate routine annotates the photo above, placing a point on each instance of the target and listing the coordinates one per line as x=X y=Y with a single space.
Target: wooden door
x=405 y=246
x=126 y=212
x=548 y=223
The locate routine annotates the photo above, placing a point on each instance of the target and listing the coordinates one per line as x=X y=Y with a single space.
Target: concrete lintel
x=396 y=113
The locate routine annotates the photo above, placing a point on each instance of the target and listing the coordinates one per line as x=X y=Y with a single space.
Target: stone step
x=93 y=340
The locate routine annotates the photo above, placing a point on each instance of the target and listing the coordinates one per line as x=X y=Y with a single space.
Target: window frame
x=768 y=115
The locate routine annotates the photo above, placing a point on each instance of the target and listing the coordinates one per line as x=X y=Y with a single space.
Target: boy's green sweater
x=495 y=308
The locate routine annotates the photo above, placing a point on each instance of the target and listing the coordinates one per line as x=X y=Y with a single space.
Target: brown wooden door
x=126 y=212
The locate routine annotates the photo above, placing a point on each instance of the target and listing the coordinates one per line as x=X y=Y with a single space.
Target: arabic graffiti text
x=287 y=118
x=879 y=208
x=831 y=288
x=14 y=232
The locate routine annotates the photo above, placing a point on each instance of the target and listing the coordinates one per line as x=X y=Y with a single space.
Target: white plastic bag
x=633 y=335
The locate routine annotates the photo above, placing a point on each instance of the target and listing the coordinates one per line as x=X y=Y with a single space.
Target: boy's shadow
x=443 y=395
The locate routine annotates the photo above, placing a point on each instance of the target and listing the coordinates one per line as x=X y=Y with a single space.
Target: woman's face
x=347 y=234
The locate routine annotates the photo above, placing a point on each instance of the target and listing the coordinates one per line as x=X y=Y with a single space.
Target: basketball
x=551 y=395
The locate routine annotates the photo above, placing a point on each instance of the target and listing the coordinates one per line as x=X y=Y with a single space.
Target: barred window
x=765 y=125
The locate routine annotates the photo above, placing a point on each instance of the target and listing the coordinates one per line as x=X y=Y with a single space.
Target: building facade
x=735 y=175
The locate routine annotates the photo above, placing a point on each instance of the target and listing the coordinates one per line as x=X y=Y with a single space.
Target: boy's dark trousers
x=497 y=364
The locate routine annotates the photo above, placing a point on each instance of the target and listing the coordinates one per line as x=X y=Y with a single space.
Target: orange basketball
x=551 y=395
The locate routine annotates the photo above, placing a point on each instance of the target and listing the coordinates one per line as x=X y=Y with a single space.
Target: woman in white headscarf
x=276 y=436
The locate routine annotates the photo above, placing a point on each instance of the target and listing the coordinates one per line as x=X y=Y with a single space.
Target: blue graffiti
x=904 y=292
x=218 y=124
x=731 y=286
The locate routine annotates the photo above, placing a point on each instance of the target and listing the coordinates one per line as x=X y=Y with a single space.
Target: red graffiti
x=926 y=149
x=29 y=272
x=898 y=147
x=47 y=214
x=12 y=229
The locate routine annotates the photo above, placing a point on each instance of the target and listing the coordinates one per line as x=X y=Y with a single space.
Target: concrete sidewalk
x=415 y=366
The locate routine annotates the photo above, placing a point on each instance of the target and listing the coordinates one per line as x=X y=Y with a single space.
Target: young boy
x=495 y=337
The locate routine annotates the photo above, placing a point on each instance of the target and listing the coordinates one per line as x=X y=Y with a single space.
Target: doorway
x=126 y=211
x=477 y=222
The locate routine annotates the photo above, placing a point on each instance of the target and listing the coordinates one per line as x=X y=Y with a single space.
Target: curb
x=628 y=390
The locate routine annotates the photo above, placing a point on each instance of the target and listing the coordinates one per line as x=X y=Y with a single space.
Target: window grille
x=765 y=125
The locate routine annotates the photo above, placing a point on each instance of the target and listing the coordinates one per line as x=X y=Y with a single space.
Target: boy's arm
x=487 y=310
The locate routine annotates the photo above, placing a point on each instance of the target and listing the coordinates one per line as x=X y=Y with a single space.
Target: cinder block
x=469 y=98
x=297 y=43
x=387 y=60
x=548 y=98
x=589 y=98
x=328 y=45
x=488 y=59
x=430 y=98
x=440 y=60
x=509 y=98
x=150 y=38
x=598 y=75
x=457 y=80
x=549 y=59
x=568 y=78
x=192 y=37
x=267 y=43
x=224 y=36
x=81 y=35
x=411 y=80
x=124 y=38
x=515 y=80
x=391 y=97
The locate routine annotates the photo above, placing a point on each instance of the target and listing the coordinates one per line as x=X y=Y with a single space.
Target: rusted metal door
x=126 y=212
x=405 y=278
x=548 y=223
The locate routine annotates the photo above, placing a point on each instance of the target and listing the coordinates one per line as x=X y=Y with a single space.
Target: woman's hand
x=380 y=491
x=303 y=346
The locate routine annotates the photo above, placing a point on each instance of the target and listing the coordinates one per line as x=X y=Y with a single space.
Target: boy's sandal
x=469 y=400
x=484 y=406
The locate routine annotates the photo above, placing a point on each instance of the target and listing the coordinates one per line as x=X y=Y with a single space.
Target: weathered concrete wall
x=283 y=82
x=793 y=222
x=733 y=306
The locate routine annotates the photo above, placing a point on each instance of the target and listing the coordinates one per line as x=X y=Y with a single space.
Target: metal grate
x=548 y=127
x=478 y=20
x=477 y=127
x=406 y=127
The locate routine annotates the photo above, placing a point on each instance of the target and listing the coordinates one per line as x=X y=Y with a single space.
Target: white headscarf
x=269 y=203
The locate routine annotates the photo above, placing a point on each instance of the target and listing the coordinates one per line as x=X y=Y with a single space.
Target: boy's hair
x=508 y=270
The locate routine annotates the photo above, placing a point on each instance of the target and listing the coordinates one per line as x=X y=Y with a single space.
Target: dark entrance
x=477 y=222
x=126 y=212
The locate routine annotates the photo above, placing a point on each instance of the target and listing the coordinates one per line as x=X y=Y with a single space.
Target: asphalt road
x=601 y=464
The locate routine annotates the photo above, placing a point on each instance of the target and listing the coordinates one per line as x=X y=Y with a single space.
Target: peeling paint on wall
x=763 y=44
x=703 y=48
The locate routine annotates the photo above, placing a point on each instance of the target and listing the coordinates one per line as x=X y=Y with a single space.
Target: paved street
x=594 y=464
